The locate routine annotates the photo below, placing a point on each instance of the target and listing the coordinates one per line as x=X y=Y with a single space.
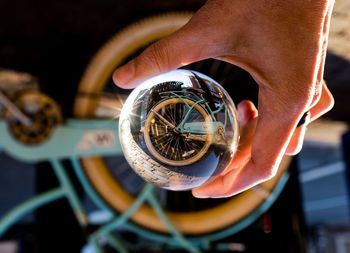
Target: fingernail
x=124 y=75
x=197 y=194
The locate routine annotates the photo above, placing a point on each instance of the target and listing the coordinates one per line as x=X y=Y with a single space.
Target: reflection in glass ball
x=179 y=129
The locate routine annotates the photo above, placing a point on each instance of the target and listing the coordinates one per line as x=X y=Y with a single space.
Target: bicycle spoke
x=167 y=142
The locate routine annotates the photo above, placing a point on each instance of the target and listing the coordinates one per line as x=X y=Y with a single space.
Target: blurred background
x=55 y=41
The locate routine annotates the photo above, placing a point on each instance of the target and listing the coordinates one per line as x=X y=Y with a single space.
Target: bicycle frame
x=76 y=139
x=81 y=138
x=210 y=127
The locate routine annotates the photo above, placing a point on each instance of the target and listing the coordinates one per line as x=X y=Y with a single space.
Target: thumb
x=179 y=49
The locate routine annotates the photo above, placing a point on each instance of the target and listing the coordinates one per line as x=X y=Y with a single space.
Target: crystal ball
x=179 y=130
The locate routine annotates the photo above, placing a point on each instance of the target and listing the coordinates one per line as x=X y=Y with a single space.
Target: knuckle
x=157 y=56
x=297 y=97
x=316 y=97
x=293 y=149
x=297 y=107
x=265 y=169
x=328 y=100
x=141 y=63
x=324 y=103
x=269 y=173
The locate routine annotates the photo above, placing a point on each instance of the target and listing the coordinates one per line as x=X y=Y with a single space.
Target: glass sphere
x=179 y=129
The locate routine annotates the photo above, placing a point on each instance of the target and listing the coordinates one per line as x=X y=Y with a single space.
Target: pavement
x=339 y=41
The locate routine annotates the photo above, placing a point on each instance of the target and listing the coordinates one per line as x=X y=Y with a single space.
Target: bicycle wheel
x=190 y=216
x=169 y=146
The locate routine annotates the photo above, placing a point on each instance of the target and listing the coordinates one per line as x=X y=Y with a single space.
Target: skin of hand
x=283 y=45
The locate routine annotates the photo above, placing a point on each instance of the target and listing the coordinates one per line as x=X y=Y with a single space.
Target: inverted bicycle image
x=181 y=127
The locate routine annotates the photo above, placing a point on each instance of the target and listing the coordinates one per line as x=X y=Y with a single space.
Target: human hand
x=282 y=44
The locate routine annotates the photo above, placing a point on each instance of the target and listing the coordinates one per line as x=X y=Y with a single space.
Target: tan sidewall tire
x=150 y=146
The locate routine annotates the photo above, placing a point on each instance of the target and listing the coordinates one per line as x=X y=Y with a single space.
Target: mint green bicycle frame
x=197 y=127
x=76 y=139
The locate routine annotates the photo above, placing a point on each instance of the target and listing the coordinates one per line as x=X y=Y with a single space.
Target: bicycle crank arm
x=14 y=110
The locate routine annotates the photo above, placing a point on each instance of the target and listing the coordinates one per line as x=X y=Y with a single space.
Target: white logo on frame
x=97 y=139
